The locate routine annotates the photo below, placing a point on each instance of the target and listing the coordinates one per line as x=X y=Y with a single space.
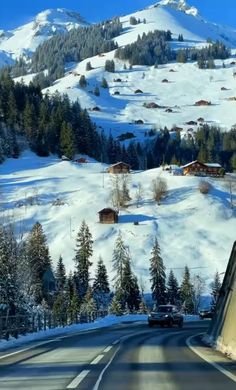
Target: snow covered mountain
x=179 y=5
x=179 y=18
x=120 y=107
x=25 y=39
x=5 y=59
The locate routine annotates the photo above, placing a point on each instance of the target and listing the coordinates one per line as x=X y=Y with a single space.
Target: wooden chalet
x=202 y=103
x=119 y=167
x=108 y=215
x=202 y=169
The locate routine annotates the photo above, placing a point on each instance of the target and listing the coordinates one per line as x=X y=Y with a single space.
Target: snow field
x=192 y=229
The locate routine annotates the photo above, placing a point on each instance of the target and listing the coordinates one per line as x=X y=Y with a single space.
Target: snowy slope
x=5 y=59
x=187 y=84
x=25 y=39
x=192 y=229
x=179 y=18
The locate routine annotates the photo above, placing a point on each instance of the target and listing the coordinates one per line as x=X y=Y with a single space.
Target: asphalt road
x=122 y=357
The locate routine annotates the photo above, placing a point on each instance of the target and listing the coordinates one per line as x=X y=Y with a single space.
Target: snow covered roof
x=213 y=165
x=209 y=165
x=191 y=163
x=118 y=163
x=107 y=210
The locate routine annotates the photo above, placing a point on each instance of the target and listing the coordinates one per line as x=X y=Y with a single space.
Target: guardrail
x=22 y=324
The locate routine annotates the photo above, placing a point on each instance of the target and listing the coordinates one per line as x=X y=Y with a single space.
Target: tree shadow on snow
x=138 y=218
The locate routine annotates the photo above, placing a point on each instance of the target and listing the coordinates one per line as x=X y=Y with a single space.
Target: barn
x=119 y=167
x=108 y=215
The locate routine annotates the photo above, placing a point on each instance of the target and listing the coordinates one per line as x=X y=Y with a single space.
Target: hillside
x=192 y=229
x=120 y=107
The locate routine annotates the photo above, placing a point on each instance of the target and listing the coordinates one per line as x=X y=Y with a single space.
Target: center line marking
x=107 y=349
x=97 y=359
x=75 y=383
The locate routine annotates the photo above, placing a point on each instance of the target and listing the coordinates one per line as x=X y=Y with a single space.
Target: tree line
x=153 y=48
x=74 y=46
x=49 y=124
x=29 y=283
x=53 y=124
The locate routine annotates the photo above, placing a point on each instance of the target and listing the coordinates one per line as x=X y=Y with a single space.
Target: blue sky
x=16 y=12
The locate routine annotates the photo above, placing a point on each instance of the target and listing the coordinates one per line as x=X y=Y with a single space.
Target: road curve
x=122 y=357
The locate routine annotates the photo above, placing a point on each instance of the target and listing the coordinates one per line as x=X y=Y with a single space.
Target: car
x=168 y=315
x=206 y=313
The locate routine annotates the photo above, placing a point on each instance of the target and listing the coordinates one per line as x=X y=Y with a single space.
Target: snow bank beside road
x=98 y=324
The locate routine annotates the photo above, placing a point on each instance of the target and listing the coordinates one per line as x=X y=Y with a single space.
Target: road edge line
x=215 y=365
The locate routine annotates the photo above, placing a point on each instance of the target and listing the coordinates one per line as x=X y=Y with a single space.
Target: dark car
x=206 y=313
x=168 y=315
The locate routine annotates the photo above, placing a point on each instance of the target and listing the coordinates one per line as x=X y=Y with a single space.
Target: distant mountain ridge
x=175 y=15
x=179 y=5
x=25 y=39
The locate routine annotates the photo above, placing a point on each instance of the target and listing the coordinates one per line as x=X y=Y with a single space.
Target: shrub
x=204 y=186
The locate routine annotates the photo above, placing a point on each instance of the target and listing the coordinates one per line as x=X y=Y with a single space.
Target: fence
x=22 y=324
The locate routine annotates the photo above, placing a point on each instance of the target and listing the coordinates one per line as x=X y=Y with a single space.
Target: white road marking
x=96 y=386
x=75 y=383
x=107 y=349
x=215 y=365
x=97 y=359
x=47 y=342
x=116 y=342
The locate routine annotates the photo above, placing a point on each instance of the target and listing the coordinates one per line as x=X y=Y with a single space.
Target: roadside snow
x=98 y=324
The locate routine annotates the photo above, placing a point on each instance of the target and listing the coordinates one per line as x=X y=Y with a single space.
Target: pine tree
x=119 y=258
x=130 y=294
x=110 y=66
x=96 y=91
x=89 y=305
x=104 y=83
x=39 y=262
x=83 y=81
x=181 y=56
x=101 y=290
x=60 y=307
x=67 y=142
x=172 y=289
x=143 y=307
x=9 y=289
x=115 y=307
x=158 y=276
x=186 y=292
x=89 y=66
x=215 y=288
x=74 y=305
x=60 y=275
x=83 y=254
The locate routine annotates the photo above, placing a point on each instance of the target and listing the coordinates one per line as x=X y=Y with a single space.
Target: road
x=122 y=357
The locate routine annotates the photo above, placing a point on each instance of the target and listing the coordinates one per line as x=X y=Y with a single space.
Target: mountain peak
x=59 y=16
x=180 y=5
x=25 y=39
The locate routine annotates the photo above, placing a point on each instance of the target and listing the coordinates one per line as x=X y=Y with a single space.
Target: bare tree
x=139 y=194
x=230 y=184
x=198 y=289
x=119 y=194
x=159 y=189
